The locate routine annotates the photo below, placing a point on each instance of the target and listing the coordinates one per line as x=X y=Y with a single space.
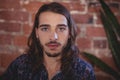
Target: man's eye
x=62 y=29
x=44 y=29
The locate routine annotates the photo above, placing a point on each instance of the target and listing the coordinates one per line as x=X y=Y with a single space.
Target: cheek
x=64 y=38
x=43 y=39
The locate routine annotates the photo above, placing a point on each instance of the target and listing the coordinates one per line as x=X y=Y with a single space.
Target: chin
x=53 y=54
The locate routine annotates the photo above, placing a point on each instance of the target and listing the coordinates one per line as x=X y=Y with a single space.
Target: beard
x=52 y=55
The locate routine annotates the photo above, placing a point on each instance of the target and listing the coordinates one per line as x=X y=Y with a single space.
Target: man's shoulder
x=19 y=68
x=82 y=65
x=20 y=60
x=83 y=70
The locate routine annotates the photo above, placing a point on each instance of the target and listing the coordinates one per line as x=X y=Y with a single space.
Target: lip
x=53 y=46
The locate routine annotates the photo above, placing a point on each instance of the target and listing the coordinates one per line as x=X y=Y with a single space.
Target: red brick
x=78 y=29
x=74 y=5
x=33 y=6
x=33 y=18
x=9 y=4
x=94 y=7
x=114 y=10
x=107 y=59
x=115 y=0
x=10 y=27
x=88 y=19
x=14 y=15
x=103 y=76
x=84 y=43
x=95 y=32
x=98 y=21
x=27 y=29
x=5 y=39
x=114 y=7
x=100 y=44
x=6 y=59
x=7 y=49
x=20 y=40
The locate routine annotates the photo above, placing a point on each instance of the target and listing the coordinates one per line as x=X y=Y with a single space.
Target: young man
x=52 y=54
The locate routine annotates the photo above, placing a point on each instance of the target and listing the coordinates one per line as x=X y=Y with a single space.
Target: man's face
x=53 y=33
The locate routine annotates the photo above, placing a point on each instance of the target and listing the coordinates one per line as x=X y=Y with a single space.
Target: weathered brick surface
x=83 y=18
x=84 y=43
x=20 y=40
x=16 y=21
x=10 y=4
x=6 y=59
x=10 y=27
x=5 y=39
x=100 y=44
x=14 y=15
x=95 y=32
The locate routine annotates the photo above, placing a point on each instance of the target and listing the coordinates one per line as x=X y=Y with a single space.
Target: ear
x=36 y=32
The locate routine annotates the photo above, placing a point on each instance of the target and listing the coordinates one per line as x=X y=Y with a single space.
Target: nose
x=54 y=36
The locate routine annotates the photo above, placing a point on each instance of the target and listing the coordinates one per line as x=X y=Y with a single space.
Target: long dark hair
x=70 y=51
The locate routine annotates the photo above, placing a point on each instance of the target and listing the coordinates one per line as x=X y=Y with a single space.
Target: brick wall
x=16 y=20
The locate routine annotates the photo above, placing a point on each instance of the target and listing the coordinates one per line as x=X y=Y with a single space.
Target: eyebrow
x=47 y=25
x=62 y=25
x=44 y=25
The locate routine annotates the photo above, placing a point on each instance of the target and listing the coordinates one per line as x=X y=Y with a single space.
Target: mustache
x=53 y=42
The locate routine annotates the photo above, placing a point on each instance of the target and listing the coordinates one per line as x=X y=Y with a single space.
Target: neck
x=51 y=61
x=52 y=65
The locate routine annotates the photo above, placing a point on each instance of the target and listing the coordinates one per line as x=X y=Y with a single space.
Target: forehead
x=52 y=18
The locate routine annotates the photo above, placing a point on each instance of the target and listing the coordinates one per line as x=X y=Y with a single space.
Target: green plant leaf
x=111 y=17
x=112 y=38
x=0 y=77
x=102 y=65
